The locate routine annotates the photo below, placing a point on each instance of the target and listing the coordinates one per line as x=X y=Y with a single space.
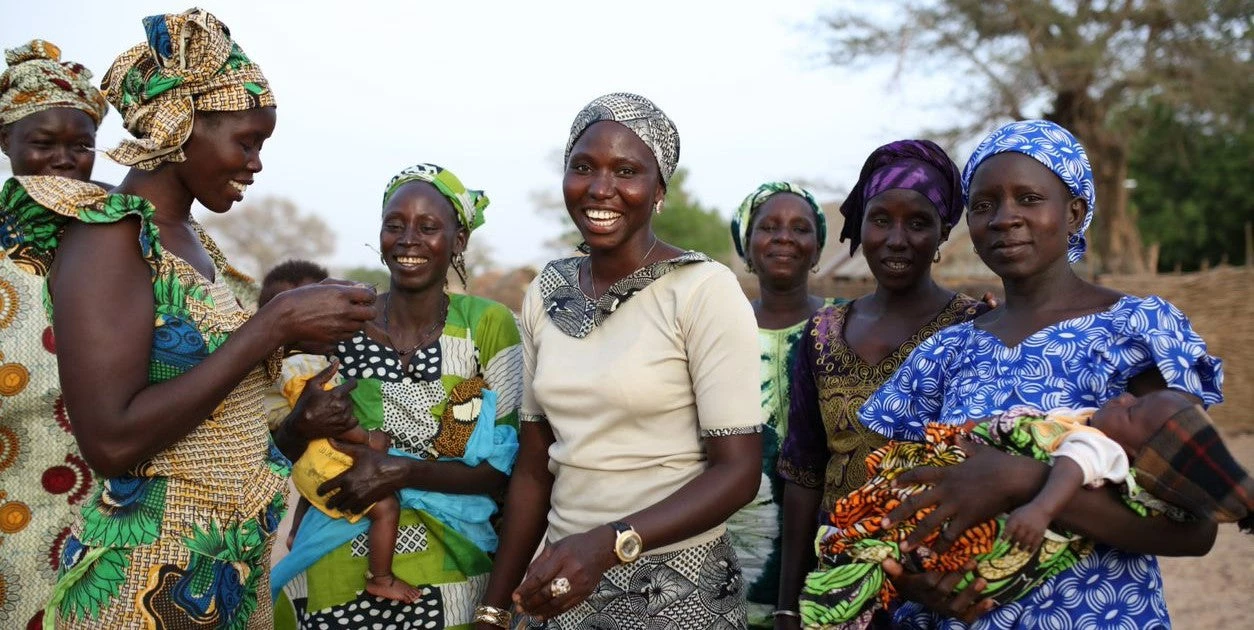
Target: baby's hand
x=1025 y=527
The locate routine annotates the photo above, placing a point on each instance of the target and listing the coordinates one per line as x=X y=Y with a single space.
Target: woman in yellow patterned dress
x=162 y=369
x=49 y=111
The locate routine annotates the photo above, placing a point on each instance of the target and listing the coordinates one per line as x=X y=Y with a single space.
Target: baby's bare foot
x=389 y=587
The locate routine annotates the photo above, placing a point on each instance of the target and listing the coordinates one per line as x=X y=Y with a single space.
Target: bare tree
x=258 y=235
x=1080 y=63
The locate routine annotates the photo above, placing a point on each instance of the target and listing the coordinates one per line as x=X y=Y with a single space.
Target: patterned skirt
x=697 y=588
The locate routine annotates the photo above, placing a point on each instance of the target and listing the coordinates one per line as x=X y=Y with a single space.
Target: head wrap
x=1186 y=464
x=742 y=220
x=468 y=204
x=37 y=80
x=642 y=117
x=1051 y=145
x=918 y=165
x=188 y=64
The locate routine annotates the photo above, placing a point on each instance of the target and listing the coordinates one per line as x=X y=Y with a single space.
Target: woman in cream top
x=641 y=420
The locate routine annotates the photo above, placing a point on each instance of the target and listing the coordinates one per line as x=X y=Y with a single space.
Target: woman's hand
x=326 y=312
x=321 y=413
x=935 y=591
x=372 y=477
x=582 y=559
x=988 y=483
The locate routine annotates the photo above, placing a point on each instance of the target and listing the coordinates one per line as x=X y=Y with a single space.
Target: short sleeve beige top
x=632 y=384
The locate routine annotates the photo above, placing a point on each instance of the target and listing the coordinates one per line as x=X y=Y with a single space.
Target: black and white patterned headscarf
x=642 y=117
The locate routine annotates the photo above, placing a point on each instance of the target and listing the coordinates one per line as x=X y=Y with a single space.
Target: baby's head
x=1131 y=421
x=1179 y=456
x=287 y=276
x=290 y=275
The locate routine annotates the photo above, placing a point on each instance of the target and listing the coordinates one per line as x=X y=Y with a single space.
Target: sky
x=488 y=90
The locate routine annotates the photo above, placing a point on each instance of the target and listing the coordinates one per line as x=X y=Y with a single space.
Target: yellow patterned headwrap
x=188 y=64
x=37 y=80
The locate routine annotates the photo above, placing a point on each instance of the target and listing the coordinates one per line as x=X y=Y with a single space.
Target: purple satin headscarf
x=918 y=165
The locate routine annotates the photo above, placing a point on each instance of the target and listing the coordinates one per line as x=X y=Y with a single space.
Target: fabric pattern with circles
x=963 y=372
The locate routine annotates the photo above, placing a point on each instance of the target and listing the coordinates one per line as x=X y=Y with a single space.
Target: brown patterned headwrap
x=188 y=64
x=37 y=80
x=1187 y=464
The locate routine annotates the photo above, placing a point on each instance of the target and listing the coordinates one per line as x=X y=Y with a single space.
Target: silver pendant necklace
x=423 y=339
x=592 y=278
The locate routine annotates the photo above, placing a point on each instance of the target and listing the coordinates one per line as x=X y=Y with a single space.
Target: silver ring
x=559 y=586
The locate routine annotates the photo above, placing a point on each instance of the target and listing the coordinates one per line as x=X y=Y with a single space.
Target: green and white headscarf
x=469 y=204
x=742 y=220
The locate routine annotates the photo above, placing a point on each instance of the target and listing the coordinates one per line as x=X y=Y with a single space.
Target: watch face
x=628 y=546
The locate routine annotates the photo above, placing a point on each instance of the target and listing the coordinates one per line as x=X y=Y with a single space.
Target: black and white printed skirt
x=698 y=588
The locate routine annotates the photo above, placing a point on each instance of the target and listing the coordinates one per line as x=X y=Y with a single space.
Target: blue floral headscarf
x=742 y=219
x=1052 y=145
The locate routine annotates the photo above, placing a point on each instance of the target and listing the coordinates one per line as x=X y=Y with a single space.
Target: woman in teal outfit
x=779 y=231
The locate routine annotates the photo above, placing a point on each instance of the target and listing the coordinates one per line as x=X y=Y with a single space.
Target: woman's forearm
x=1100 y=515
x=522 y=529
x=801 y=507
x=450 y=477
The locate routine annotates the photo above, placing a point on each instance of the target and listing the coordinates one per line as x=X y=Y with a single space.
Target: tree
x=259 y=235
x=1193 y=193
x=376 y=277
x=684 y=222
x=1079 y=63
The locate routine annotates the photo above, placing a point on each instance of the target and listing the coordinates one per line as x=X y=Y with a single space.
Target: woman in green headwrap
x=428 y=370
x=162 y=371
x=779 y=231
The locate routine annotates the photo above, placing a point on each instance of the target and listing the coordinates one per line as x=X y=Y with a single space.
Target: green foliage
x=1194 y=192
x=685 y=223
x=375 y=276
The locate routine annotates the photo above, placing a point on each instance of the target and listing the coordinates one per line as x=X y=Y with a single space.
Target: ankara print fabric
x=183 y=539
x=44 y=481
x=963 y=372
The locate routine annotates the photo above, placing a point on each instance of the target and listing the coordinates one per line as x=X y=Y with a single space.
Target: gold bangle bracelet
x=492 y=615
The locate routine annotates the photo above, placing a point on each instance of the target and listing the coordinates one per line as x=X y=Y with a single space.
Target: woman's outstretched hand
x=326 y=312
x=581 y=559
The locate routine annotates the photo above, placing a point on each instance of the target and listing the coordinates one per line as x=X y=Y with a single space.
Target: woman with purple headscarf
x=907 y=198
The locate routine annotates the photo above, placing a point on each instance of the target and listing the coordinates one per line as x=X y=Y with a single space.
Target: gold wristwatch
x=627 y=546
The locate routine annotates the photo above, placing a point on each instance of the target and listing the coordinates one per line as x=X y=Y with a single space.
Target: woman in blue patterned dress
x=1057 y=341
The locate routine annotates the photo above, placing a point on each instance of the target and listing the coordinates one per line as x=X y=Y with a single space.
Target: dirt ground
x=1215 y=591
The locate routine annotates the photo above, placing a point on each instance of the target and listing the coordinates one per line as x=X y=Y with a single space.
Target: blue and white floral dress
x=963 y=372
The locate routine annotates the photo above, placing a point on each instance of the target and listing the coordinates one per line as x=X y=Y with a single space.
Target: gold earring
x=936 y=258
x=657 y=207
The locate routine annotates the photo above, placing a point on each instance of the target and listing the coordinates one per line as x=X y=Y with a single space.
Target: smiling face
x=59 y=141
x=611 y=185
x=901 y=232
x=224 y=154
x=783 y=240
x=1020 y=213
x=419 y=237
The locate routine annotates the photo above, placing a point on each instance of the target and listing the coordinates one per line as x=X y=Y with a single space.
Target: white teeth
x=410 y=260
x=896 y=265
x=239 y=186
x=602 y=216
